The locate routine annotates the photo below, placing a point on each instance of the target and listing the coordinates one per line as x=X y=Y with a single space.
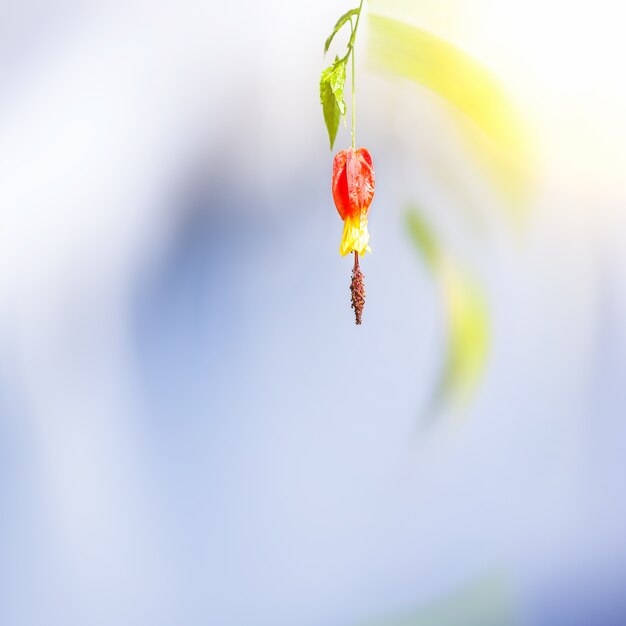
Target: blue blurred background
x=193 y=430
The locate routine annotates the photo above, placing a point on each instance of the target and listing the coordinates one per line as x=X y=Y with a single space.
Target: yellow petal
x=355 y=235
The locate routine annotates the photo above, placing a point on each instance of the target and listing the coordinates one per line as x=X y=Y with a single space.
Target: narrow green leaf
x=332 y=113
x=338 y=26
x=332 y=84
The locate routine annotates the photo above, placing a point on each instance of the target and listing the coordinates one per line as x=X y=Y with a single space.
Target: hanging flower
x=353 y=190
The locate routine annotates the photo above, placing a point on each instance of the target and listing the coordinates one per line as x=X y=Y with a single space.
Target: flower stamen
x=357 y=289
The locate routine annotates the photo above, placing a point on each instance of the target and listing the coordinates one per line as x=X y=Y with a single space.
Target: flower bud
x=353 y=189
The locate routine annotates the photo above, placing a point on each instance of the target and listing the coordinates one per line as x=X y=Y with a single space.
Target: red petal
x=364 y=152
x=361 y=180
x=353 y=182
x=340 y=183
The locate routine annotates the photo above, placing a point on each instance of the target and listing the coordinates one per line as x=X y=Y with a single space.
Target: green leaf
x=332 y=84
x=340 y=22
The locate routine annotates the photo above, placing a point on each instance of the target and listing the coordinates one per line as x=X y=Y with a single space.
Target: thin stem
x=353 y=105
x=356 y=260
x=351 y=52
x=351 y=46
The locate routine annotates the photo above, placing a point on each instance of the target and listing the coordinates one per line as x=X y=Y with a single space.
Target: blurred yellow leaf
x=428 y=60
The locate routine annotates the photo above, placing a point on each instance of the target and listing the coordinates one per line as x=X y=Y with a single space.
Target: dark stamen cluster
x=357 y=289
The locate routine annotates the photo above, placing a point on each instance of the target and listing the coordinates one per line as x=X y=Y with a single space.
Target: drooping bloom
x=353 y=190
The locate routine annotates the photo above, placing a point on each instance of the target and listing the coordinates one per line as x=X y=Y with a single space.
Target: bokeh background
x=193 y=430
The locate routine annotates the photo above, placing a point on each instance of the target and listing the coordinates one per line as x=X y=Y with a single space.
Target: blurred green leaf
x=332 y=84
x=485 y=601
x=465 y=309
x=340 y=22
x=468 y=323
x=423 y=238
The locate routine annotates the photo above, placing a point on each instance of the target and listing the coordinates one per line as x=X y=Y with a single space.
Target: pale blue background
x=192 y=430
